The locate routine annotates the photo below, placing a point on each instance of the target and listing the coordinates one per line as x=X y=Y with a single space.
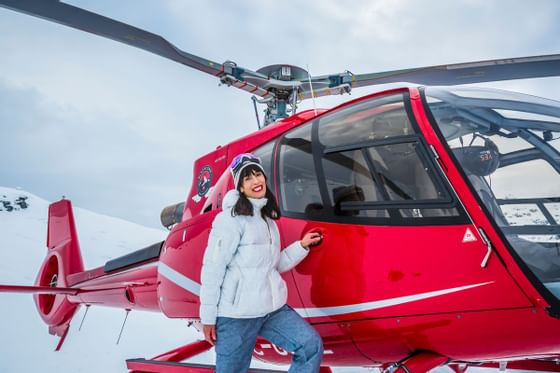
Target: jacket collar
x=231 y=197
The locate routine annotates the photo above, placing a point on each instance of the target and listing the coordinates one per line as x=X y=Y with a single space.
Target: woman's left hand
x=311 y=239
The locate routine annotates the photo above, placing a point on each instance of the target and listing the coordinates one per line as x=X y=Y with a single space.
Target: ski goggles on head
x=240 y=162
x=242 y=159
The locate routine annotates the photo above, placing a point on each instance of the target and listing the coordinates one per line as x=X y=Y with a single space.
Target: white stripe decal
x=179 y=279
x=341 y=310
x=193 y=287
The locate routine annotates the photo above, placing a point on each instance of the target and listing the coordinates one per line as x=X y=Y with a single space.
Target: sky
x=117 y=129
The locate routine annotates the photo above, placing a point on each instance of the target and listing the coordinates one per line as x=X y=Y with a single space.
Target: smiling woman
x=242 y=295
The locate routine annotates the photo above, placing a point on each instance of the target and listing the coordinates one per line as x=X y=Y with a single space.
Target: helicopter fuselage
x=410 y=259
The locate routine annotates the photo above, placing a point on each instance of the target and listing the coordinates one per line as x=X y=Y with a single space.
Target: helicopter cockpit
x=508 y=146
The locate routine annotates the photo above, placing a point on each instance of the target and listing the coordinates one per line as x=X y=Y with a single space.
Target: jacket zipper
x=269 y=233
x=270 y=277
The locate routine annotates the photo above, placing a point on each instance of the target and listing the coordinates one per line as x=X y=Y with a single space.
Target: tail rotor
x=63 y=259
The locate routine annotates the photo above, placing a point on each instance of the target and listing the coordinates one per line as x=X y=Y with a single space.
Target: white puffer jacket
x=242 y=265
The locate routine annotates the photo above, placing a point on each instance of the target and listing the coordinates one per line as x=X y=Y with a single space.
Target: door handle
x=321 y=231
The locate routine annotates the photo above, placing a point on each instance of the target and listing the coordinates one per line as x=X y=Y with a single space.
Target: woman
x=242 y=294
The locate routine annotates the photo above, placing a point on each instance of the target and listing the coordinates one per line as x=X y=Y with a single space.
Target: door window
x=299 y=187
x=364 y=161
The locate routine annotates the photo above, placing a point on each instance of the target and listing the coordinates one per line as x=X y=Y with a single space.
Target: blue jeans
x=236 y=340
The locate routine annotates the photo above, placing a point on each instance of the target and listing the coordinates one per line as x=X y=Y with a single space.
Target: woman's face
x=254 y=185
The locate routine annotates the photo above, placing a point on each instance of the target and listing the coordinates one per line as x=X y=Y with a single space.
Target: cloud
x=119 y=128
x=52 y=151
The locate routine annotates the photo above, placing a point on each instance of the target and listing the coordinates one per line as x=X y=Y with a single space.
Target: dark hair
x=244 y=207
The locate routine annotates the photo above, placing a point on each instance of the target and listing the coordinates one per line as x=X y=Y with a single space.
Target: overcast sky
x=116 y=129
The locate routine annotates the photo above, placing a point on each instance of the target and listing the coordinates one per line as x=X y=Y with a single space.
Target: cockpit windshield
x=508 y=145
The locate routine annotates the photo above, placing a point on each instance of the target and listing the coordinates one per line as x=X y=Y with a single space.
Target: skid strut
x=420 y=362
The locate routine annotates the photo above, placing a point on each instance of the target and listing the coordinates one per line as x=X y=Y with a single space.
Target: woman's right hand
x=209 y=333
x=311 y=239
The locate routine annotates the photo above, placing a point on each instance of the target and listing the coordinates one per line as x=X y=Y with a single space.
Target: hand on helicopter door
x=311 y=238
x=209 y=333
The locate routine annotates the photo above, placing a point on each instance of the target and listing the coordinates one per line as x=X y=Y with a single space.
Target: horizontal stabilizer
x=55 y=290
x=37 y=289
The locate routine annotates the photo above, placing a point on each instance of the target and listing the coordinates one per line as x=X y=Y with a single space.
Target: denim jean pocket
x=228 y=338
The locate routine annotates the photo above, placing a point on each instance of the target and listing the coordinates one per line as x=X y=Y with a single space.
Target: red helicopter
x=439 y=208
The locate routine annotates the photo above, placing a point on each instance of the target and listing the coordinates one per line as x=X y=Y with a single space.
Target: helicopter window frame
x=328 y=212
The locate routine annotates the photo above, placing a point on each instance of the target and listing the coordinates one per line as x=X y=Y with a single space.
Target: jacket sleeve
x=222 y=244
x=291 y=256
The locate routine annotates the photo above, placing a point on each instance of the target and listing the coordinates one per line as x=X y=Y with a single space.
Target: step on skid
x=156 y=366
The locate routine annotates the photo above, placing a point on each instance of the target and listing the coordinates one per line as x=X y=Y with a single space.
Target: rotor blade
x=467 y=73
x=81 y=19
x=454 y=74
x=320 y=90
x=71 y=16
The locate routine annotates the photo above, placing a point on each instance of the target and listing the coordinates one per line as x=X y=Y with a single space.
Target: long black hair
x=244 y=207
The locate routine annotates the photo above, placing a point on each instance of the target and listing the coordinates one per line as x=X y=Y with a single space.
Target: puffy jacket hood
x=231 y=197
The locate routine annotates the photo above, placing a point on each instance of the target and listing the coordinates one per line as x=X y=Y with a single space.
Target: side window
x=349 y=178
x=375 y=119
x=376 y=166
x=406 y=176
x=299 y=188
x=265 y=153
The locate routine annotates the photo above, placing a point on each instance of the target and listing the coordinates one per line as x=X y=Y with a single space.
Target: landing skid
x=170 y=362
x=155 y=366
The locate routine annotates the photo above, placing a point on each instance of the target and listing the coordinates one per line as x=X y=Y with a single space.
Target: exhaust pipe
x=172 y=215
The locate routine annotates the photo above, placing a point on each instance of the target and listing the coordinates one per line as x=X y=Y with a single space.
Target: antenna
x=311 y=89
x=124 y=322
x=254 y=98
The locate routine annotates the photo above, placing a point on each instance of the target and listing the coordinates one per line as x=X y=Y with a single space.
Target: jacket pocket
x=278 y=289
x=238 y=290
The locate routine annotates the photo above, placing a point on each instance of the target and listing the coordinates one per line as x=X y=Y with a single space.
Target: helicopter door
x=396 y=239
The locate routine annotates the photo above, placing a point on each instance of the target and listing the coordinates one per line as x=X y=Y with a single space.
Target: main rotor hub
x=284 y=72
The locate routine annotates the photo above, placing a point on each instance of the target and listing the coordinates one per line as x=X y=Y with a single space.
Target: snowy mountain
x=24 y=340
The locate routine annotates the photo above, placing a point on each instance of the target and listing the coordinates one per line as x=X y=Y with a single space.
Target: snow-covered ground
x=25 y=343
